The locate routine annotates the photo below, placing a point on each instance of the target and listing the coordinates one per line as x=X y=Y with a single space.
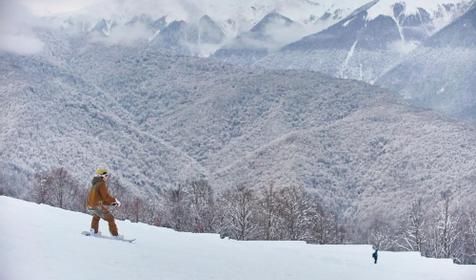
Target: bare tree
x=268 y=213
x=118 y=190
x=150 y=210
x=3 y=184
x=202 y=205
x=382 y=234
x=413 y=228
x=443 y=233
x=64 y=188
x=470 y=238
x=58 y=188
x=338 y=229
x=177 y=206
x=41 y=189
x=239 y=206
x=131 y=203
x=323 y=230
x=58 y=185
x=293 y=210
x=448 y=226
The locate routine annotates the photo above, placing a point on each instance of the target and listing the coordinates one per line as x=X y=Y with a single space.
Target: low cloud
x=403 y=47
x=282 y=35
x=16 y=29
x=275 y=35
x=20 y=44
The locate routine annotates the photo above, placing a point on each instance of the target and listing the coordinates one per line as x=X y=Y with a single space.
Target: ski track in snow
x=43 y=242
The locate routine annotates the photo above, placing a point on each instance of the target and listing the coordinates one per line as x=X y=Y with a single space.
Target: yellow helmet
x=101 y=171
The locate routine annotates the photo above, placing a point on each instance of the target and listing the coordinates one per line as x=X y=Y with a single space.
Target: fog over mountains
x=130 y=93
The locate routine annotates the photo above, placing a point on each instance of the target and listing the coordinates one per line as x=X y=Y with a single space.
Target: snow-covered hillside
x=45 y=114
x=42 y=242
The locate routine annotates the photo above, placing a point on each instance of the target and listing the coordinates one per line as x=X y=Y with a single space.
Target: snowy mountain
x=274 y=18
x=270 y=33
x=103 y=27
x=28 y=236
x=176 y=36
x=185 y=38
x=209 y=31
x=440 y=74
x=244 y=14
x=369 y=41
x=382 y=31
x=226 y=22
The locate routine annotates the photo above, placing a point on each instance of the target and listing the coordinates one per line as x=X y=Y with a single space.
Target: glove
x=116 y=203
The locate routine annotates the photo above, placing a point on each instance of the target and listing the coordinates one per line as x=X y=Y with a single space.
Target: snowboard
x=87 y=233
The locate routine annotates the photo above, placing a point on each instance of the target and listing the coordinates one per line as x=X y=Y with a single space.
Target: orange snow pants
x=101 y=212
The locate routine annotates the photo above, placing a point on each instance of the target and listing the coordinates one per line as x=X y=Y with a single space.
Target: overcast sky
x=52 y=7
x=16 y=24
x=109 y=8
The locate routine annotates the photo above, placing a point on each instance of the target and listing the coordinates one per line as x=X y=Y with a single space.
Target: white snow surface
x=43 y=242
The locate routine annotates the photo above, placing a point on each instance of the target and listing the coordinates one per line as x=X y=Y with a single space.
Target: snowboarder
x=98 y=199
x=375 y=255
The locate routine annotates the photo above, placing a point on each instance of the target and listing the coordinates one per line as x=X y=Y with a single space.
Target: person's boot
x=93 y=232
x=119 y=236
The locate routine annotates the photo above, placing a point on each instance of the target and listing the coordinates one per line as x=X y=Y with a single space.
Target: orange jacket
x=98 y=194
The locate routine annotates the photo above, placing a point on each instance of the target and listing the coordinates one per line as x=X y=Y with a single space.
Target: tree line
x=441 y=230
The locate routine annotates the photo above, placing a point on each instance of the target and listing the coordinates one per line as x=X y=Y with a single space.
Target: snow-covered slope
x=42 y=242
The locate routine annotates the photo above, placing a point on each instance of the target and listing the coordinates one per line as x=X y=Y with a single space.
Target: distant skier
x=375 y=255
x=98 y=199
